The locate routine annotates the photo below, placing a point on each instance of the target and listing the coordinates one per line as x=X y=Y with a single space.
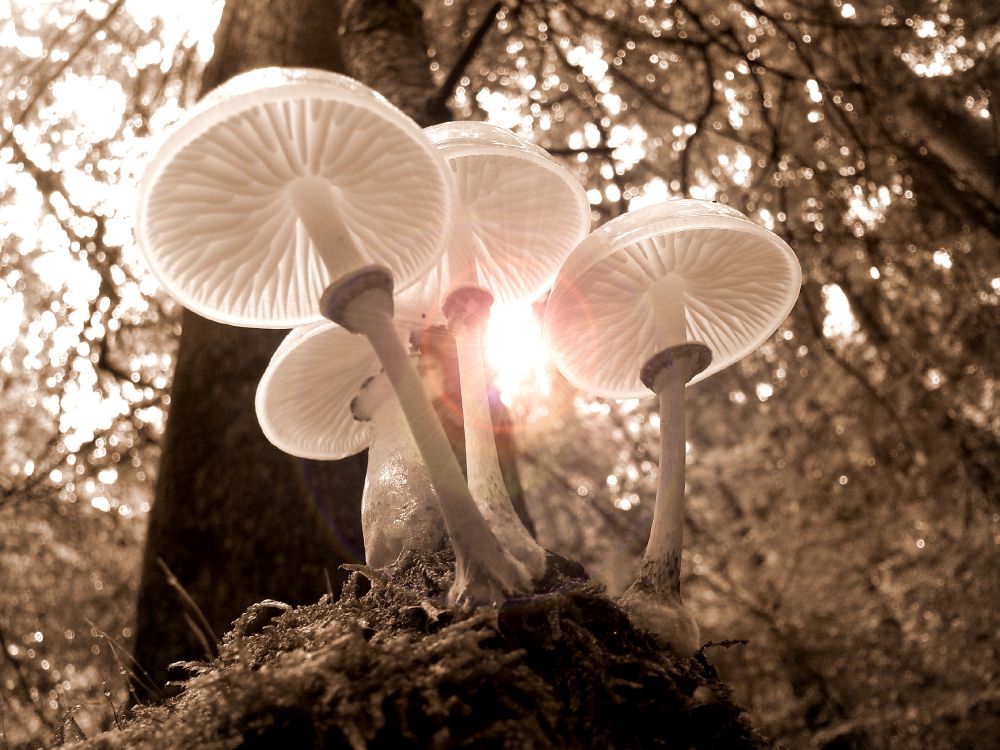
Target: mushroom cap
x=304 y=397
x=216 y=218
x=739 y=282
x=519 y=215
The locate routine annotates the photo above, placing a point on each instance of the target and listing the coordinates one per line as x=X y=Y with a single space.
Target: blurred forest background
x=844 y=481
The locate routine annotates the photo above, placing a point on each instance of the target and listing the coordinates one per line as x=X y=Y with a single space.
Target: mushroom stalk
x=661 y=563
x=362 y=303
x=667 y=300
x=654 y=599
x=667 y=377
x=467 y=310
x=315 y=203
x=399 y=508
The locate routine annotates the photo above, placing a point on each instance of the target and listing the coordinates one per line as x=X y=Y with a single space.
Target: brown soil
x=390 y=666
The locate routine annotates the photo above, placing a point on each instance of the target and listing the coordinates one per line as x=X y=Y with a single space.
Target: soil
x=390 y=665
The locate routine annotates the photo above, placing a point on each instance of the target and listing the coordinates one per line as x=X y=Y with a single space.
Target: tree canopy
x=843 y=481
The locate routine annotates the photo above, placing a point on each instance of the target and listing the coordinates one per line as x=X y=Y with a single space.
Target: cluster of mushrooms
x=296 y=198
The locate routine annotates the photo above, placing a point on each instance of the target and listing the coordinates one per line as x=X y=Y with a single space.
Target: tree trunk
x=235 y=519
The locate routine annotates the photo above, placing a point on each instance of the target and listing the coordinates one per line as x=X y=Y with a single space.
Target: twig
x=699 y=123
x=467 y=54
x=200 y=635
x=146 y=682
x=114 y=711
x=206 y=630
x=728 y=643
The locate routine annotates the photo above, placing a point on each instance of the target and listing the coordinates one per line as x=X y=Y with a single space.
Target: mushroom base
x=399 y=508
x=654 y=603
x=666 y=618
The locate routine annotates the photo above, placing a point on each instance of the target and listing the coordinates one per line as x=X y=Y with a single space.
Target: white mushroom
x=285 y=180
x=519 y=214
x=324 y=397
x=654 y=299
x=281 y=181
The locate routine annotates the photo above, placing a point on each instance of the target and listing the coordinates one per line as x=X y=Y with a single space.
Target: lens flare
x=516 y=352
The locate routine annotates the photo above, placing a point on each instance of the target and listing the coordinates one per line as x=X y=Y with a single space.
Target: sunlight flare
x=516 y=352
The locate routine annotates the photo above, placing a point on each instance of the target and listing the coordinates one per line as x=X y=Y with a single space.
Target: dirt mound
x=390 y=666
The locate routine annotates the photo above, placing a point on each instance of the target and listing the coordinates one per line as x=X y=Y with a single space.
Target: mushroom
x=519 y=214
x=280 y=181
x=324 y=397
x=285 y=180
x=654 y=299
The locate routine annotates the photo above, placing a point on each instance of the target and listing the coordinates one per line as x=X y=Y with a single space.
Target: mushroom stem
x=661 y=562
x=467 y=310
x=315 y=201
x=654 y=599
x=362 y=303
x=399 y=508
x=666 y=297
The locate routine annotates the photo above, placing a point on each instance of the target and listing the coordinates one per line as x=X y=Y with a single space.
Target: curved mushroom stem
x=654 y=599
x=399 y=508
x=467 y=310
x=362 y=303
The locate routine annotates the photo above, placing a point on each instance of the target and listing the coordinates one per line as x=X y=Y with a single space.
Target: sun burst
x=516 y=351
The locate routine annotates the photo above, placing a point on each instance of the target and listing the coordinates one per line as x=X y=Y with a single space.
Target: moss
x=390 y=666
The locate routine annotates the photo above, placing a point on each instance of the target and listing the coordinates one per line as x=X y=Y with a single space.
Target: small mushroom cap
x=304 y=397
x=519 y=215
x=739 y=282
x=216 y=217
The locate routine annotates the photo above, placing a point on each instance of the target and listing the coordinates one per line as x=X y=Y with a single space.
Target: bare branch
x=43 y=86
x=466 y=56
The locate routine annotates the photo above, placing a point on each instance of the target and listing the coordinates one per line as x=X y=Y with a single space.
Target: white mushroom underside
x=519 y=223
x=737 y=287
x=303 y=400
x=221 y=230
